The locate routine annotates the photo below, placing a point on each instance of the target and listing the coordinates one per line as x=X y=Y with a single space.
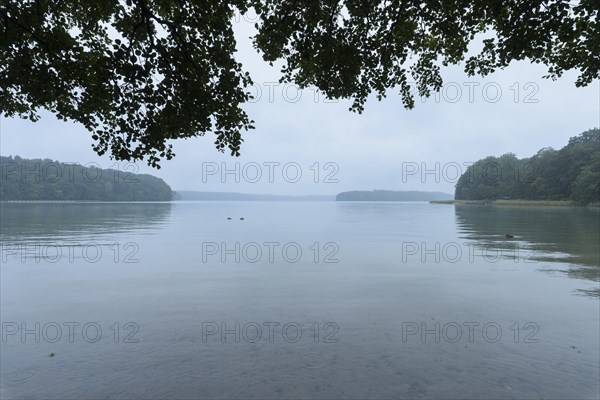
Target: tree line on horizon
x=37 y=179
x=391 y=195
x=571 y=173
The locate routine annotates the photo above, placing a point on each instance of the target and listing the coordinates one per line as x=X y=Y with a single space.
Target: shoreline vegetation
x=517 y=202
x=46 y=180
x=544 y=203
x=550 y=177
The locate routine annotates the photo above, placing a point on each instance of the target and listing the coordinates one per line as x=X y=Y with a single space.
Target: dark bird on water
x=228 y=218
x=509 y=236
x=241 y=219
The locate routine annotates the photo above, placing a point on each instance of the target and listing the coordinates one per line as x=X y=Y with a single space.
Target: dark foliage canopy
x=138 y=73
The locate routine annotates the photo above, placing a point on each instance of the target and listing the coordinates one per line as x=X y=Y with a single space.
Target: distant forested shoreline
x=571 y=173
x=192 y=195
x=390 y=195
x=37 y=180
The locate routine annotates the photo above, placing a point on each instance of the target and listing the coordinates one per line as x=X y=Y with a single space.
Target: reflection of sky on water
x=563 y=239
x=51 y=222
x=171 y=292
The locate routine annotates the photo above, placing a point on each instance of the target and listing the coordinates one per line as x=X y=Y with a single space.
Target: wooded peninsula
x=37 y=179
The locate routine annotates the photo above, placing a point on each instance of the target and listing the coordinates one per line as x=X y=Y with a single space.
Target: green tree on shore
x=24 y=179
x=571 y=173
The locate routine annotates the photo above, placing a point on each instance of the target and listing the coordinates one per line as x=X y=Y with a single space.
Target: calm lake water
x=298 y=300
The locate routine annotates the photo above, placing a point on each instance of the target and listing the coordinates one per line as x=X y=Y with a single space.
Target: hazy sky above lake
x=387 y=147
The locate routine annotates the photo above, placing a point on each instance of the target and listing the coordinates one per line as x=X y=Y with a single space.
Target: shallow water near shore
x=298 y=300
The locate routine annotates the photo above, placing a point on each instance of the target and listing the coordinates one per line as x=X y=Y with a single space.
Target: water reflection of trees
x=566 y=235
x=51 y=221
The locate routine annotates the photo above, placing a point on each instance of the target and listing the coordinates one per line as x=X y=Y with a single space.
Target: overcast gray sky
x=387 y=147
